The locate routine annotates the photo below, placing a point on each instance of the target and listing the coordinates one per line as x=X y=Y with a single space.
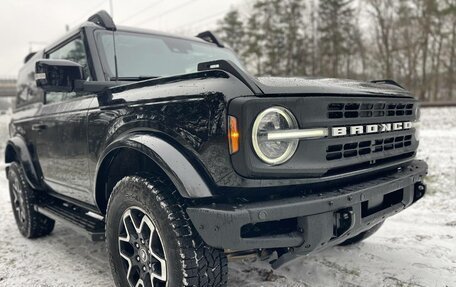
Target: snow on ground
x=414 y=248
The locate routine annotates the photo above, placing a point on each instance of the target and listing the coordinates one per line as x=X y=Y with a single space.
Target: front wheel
x=151 y=241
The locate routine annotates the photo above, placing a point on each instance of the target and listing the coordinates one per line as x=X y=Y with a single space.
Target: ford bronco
x=168 y=149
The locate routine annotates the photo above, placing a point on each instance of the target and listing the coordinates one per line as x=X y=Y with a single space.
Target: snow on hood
x=282 y=85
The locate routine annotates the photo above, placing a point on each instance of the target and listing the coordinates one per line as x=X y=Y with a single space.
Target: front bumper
x=322 y=220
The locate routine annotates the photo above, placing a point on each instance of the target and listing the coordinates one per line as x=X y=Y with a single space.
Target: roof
x=91 y=24
x=123 y=29
x=158 y=33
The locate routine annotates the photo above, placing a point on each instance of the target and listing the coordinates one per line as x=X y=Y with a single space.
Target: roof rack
x=103 y=19
x=208 y=36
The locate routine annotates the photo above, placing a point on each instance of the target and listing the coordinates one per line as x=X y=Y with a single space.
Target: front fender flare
x=22 y=155
x=182 y=173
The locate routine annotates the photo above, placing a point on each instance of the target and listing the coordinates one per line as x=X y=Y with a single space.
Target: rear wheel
x=363 y=235
x=151 y=241
x=30 y=223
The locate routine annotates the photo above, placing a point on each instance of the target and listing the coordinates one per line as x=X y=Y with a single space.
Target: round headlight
x=274 y=119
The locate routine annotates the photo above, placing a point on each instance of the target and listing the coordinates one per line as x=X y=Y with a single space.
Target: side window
x=72 y=51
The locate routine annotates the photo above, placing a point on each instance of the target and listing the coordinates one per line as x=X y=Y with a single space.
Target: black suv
x=167 y=148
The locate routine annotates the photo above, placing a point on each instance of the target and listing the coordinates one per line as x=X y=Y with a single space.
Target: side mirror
x=57 y=75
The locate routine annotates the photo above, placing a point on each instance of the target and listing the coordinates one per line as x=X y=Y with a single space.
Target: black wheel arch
x=17 y=151
x=146 y=153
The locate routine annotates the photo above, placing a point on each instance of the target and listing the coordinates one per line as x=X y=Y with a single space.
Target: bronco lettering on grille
x=369 y=129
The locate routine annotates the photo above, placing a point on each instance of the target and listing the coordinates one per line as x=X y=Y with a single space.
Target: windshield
x=145 y=55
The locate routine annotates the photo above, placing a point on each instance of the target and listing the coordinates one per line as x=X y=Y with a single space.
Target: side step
x=73 y=216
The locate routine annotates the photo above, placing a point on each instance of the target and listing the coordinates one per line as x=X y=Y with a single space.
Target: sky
x=31 y=24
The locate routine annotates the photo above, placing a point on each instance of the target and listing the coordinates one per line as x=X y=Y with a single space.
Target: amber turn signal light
x=233 y=134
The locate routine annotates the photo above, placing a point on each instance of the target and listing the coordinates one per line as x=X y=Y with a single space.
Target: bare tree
x=336 y=29
x=410 y=41
x=408 y=44
x=293 y=18
x=450 y=10
x=383 y=12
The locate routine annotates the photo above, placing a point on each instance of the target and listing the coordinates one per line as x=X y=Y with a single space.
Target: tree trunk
x=451 y=76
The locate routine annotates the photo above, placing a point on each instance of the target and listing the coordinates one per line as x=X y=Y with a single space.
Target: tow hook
x=344 y=221
x=420 y=190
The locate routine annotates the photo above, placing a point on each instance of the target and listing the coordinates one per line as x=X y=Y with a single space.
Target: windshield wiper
x=138 y=78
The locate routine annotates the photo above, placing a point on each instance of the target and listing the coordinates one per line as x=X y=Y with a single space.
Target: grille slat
x=353 y=149
x=368 y=110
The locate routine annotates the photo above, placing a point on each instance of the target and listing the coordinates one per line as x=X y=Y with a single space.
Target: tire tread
x=38 y=224
x=203 y=266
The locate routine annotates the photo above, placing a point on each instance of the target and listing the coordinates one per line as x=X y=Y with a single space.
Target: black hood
x=315 y=86
x=271 y=86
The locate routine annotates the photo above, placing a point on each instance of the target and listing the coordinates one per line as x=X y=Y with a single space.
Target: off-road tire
x=190 y=262
x=31 y=224
x=363 y=235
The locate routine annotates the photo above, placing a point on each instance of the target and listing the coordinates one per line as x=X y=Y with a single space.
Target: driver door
x=61 y=131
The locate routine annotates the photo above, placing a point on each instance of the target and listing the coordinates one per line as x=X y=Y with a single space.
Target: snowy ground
x=415 y=248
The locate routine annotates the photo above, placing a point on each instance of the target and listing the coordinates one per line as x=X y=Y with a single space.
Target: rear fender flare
x=18 y=145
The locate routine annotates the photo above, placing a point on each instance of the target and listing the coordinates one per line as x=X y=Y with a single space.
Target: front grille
x=366 y=149
x=360 y=148
x=368 y=110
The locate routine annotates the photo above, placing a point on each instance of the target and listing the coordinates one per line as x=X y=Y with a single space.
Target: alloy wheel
x=18 y=198
x=141 y=248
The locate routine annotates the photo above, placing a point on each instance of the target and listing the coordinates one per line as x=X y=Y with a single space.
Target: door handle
x=39 y=127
